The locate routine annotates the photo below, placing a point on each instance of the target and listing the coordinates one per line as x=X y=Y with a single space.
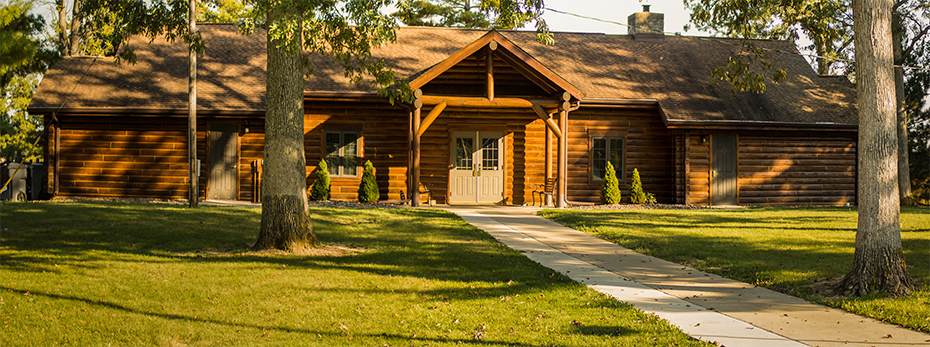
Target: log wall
x=797 y=169
x=131 y=156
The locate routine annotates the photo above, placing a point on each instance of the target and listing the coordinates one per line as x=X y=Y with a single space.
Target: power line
x=847 y=61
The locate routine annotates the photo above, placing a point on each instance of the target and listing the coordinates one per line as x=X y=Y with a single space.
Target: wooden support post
x=430 y=118
x=563 y=161
x=410 y=155
x=415 y=193
x=57 y=157
x=490 y=72
x=548 y=163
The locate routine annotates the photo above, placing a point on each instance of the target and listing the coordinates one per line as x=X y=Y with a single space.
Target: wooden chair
x=425 y=188
x=544 y=190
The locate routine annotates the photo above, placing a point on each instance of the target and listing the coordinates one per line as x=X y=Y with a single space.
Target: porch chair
x=425 y=188
x=544 y=190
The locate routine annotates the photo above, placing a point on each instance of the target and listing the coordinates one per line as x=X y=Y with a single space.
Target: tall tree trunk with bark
x=63 y=45
x=878 y=263
x=74 y=44
x=285 y=214
x=904 y=167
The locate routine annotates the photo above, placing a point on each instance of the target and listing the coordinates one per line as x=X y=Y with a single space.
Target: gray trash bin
x=16 y=190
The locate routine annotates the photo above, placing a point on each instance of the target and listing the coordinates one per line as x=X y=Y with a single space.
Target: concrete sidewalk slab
x=703 y=305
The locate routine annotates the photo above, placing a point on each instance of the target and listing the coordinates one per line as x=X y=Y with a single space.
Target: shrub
x=610 y=191
x=320 y=190
x=368 y=189
x=637 y=196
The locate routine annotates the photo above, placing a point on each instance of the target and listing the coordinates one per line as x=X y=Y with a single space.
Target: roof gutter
x=105 y=111
x=759 y=125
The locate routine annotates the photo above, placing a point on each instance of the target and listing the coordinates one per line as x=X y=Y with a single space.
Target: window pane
x=464 y=147
x=489 y=154
x=350 y=154
x=599 y=158
x=332 y=153
x=616 y=156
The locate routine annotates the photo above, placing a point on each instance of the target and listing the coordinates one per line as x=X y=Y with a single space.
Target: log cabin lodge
x=497 y=116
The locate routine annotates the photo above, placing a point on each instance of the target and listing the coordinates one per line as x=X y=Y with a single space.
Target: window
x=603 y=150
x=342 y=153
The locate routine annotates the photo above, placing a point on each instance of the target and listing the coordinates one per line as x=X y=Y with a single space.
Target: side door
x=723 y=172
x=224 y=160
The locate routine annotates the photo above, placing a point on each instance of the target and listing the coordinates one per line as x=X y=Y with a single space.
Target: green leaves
x=746 y=70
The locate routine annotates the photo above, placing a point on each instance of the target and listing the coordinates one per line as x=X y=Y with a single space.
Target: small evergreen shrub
x=368 y=189
x=610 y=191
x=320 y=190
x=637 y=196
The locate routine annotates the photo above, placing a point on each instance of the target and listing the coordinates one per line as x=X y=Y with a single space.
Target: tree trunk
x=904 y=168
x=285 y=215
x=193 y=191
x=74 y=45
x=63 y=27
x=878 y=264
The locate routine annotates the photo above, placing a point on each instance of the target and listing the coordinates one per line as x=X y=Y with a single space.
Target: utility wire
x=847 y=61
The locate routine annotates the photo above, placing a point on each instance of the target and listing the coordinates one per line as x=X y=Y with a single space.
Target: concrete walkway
x=705 y=306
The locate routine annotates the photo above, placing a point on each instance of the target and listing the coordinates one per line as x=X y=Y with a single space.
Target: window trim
x=358 y=152
x=608 y=136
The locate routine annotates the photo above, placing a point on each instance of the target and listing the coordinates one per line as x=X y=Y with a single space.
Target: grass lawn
x=787 y=249
x=94 y=274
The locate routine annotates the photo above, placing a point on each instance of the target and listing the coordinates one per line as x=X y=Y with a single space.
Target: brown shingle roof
x=677 y=73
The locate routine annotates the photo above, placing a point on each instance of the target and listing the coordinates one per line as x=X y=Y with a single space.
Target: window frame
x=608 y=136
x=338 y=171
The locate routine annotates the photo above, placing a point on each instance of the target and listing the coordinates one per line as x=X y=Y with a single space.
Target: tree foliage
x=637 y=195
x=368 y=189
x=23 y=56
x=456 y=14
x=320 y=190
x=610 y=191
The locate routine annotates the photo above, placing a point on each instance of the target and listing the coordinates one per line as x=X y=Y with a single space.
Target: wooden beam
x=458 y=101
x=550 y=123
x=548 y=162
x=433 y=114
x=490 y=71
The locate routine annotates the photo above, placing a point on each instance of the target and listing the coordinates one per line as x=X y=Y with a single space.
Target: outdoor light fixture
x=703 y=138
x=246 y=129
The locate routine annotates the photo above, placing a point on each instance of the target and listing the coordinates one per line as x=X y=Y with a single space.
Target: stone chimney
x=646 y=26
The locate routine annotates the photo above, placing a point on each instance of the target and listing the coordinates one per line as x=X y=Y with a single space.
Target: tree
x=610 y=191
x=23 y=56
x=455 y=14
x=879 y=259
x=368 y=189
x=320 y=190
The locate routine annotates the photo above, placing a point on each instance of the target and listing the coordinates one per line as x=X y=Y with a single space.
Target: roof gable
x=510 y=54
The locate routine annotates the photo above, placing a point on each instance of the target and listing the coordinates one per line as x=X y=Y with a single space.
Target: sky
x=676 y=16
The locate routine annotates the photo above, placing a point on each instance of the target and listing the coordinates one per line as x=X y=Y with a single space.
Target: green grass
x=786 y=249
x=93 y=274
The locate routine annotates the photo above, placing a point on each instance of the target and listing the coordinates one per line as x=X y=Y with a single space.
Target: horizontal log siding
x=776 y=169
x=650 y=148
x=132 y=156
x=383 y=131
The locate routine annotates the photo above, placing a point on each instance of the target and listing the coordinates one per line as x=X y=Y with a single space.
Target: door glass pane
x=464 y=147
x=490 y=154
x=350 y=153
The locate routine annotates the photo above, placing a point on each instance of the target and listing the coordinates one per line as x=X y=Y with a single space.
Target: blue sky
x=676 y=16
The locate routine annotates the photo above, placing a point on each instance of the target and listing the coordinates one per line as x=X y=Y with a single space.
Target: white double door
x=476 y=175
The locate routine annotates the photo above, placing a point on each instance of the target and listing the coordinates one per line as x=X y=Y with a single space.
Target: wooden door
x=723 y=175
x=477 y=173
x=224 y=158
